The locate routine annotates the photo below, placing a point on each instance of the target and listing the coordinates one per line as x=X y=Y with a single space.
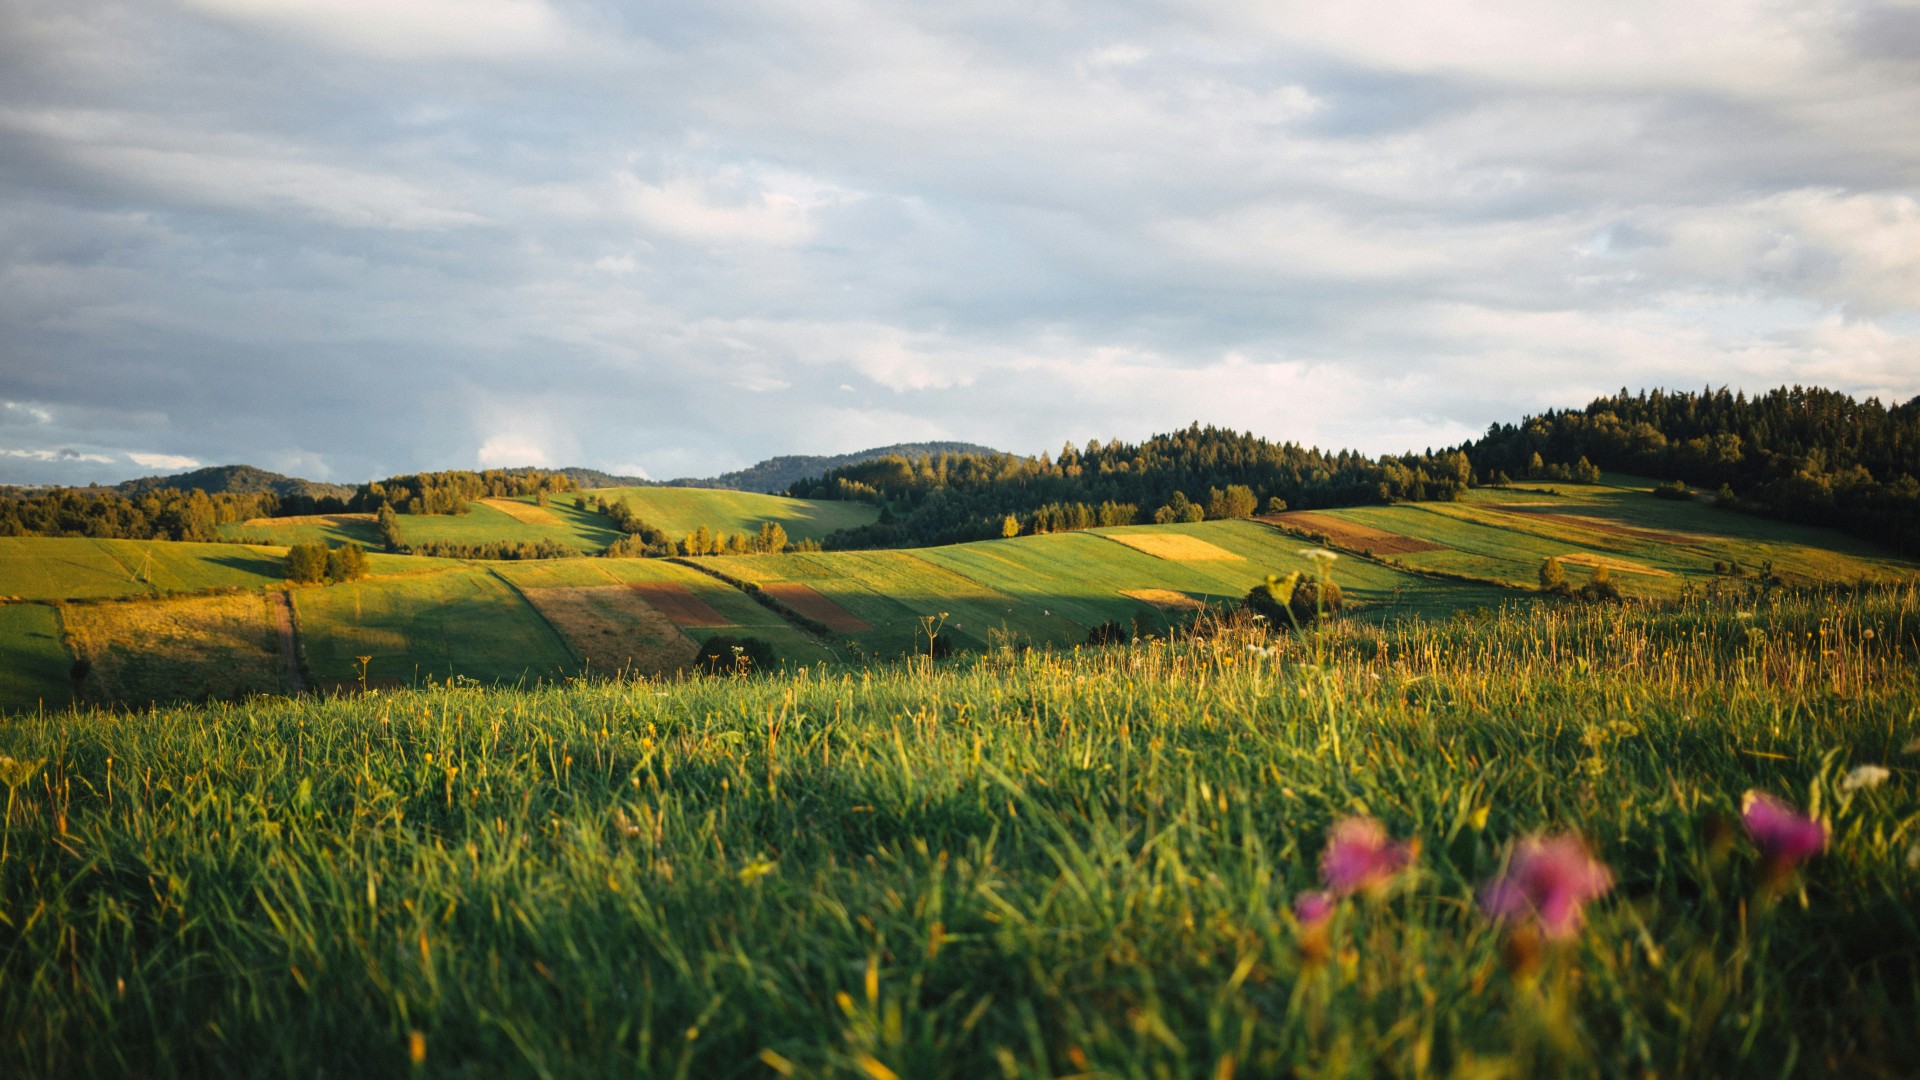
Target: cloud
x=357 y=239
x=163 y=461
x=211 y=169
x=404 y=29
x=729 y=207
x=61 y=455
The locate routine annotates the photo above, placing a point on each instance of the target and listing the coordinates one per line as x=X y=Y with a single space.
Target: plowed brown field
x=678 y=603
x=803 y=599
x=1352 y=535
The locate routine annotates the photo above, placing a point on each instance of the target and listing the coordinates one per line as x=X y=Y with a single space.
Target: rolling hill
x=421 y=618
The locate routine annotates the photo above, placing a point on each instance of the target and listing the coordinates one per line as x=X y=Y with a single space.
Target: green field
x=333 y=530
x=1025 y=864
x=679 y=511
x=1503 y=537
x=34 y=665
x=70 y=568
x=61 y=568
x=1054 y=589
x=463 y=621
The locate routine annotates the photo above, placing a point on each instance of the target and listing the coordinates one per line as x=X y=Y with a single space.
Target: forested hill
x=1800 y=453
x=1183 y=476
x=776 y=475
x=236 y=480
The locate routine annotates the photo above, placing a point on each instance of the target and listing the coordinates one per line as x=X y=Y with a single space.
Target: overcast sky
x=352 y=238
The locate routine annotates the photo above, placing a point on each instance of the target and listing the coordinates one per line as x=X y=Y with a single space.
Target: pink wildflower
x=1360 y=858
x=1313 y=908
x=1315 y=912
x=1784 y=836
x=1548 y=879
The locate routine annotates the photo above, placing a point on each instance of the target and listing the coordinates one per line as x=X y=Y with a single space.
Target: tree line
x=1187 y=475
x=164 y=514
x=1798 y=453
x=449 y=492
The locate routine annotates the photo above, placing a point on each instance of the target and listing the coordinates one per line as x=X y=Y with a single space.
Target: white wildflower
x=1864 y=776
x=1318 y=554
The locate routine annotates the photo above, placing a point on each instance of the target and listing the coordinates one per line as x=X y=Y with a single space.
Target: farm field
x=69 y=568
x=1652 y=546
x=34 y=665
x=737 y=614
x=679 y=511
x=73 y=568
x=464 y=621
x=178 y=649
x=585 y=531
x=1019 y=863
x=332 y=530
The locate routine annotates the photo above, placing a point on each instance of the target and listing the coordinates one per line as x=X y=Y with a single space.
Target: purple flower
x=1549 y=880
x=1313 y=908
x=1784 y=836
x=1359 y=857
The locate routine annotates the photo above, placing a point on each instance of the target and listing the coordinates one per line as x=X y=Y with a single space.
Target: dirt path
x=289 y=646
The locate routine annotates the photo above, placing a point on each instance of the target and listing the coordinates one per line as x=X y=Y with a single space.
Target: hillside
x=557 y=618
x=237 y=480
x=776 y=475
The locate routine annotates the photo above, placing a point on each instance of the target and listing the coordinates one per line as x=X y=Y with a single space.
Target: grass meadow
x=467 y=621
x=679 y=511
x=1018 y=863
x=34 y=665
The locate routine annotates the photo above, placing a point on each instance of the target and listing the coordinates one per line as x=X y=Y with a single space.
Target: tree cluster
x=317 y=562
x=948 y=498
x=543 y=548
x=450 y=492
x=163 y=514
x=1797 y=453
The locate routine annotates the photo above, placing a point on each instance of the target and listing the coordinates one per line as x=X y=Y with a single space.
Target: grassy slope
x=680 y=511
x=34 y=665
x=1488 y=538
x=332 y=530
x=67 y=568
x=463 y=621
x=1028 y=865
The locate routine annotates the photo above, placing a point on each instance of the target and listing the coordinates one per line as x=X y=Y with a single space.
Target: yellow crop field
x=1175 y=547
x=173 y=650
x=524 y=512
x=1165 y=599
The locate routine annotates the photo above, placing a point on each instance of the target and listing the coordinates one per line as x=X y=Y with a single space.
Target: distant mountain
x=594 y=478
x=236 y=480
x=774 y=475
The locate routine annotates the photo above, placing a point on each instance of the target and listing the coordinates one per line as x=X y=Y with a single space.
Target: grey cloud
x=687 y=239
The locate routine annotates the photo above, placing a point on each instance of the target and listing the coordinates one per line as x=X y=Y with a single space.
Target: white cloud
x=35 y=413
x=162 y=461
x=511 y=450
x=56 y=455
x=405 y=29
x=731 y=206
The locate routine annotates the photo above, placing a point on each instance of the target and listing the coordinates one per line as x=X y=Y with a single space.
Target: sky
x=345 y=239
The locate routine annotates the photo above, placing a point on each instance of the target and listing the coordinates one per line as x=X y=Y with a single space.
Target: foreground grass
x=1026 y=864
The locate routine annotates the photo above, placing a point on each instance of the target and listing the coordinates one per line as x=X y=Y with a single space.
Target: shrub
x=306 y=562
x=1304 y=603
x=726 y=655
x=1111 y=632
x=1673 y=489
x=1553 y=578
